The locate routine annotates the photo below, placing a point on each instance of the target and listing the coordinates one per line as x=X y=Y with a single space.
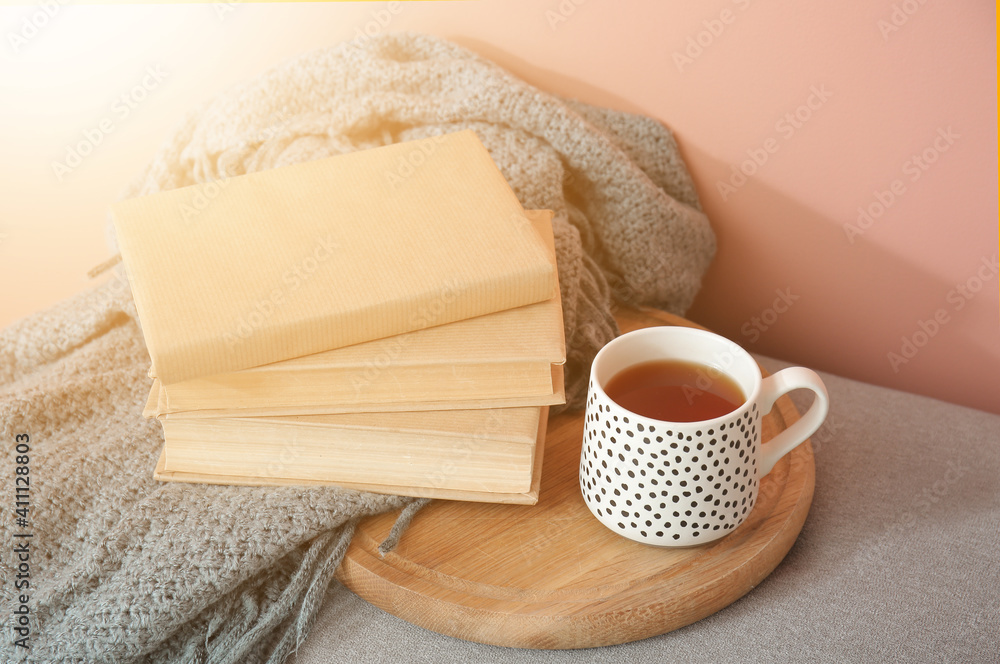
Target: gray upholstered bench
x=899 y=559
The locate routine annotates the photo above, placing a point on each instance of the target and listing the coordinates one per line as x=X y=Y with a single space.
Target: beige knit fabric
x=125 y=569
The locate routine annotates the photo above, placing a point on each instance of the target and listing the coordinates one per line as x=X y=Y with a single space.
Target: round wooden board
x=551 y=576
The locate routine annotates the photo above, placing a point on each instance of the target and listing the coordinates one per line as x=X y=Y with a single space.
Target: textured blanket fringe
x=98 y=270
x=310 y=583
x=402 y=522
x=318 y=586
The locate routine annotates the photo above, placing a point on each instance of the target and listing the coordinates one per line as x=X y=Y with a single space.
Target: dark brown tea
x=675 y=391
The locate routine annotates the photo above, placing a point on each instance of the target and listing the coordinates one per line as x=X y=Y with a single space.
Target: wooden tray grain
x=551 y=576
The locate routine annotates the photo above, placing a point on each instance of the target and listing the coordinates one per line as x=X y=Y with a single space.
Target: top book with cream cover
x=268 y=266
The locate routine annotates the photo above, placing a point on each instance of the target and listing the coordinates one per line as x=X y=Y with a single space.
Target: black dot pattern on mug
x=668 y=483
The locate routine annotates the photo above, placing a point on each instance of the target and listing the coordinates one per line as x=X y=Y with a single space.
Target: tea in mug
x=675 y=391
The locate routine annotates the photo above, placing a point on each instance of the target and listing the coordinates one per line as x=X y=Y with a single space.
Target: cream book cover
x=306 y=258
x=505 y=355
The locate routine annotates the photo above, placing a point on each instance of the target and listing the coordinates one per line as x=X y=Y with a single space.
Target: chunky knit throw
x=123 y=568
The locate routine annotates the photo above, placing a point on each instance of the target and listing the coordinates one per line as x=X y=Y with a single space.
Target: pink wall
x=879 y=96
x=908 y=134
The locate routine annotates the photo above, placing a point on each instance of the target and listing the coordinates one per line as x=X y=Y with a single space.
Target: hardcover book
x=477 y=455
x=265 y=267
x=508 y=358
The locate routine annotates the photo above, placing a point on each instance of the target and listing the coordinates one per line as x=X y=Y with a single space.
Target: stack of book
x=386 y=320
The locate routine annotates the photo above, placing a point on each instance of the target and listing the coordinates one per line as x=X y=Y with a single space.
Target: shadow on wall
x=545 y=79
x=792 y=283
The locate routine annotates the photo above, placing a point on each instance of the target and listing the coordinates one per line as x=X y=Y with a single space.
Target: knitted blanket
x=120 y=568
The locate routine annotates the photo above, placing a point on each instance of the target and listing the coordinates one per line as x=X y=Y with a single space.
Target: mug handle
x=777 y=385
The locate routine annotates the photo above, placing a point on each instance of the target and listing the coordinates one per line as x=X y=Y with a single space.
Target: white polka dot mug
x=684 y=483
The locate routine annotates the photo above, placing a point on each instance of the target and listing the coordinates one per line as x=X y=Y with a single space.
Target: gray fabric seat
x=898 y=561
